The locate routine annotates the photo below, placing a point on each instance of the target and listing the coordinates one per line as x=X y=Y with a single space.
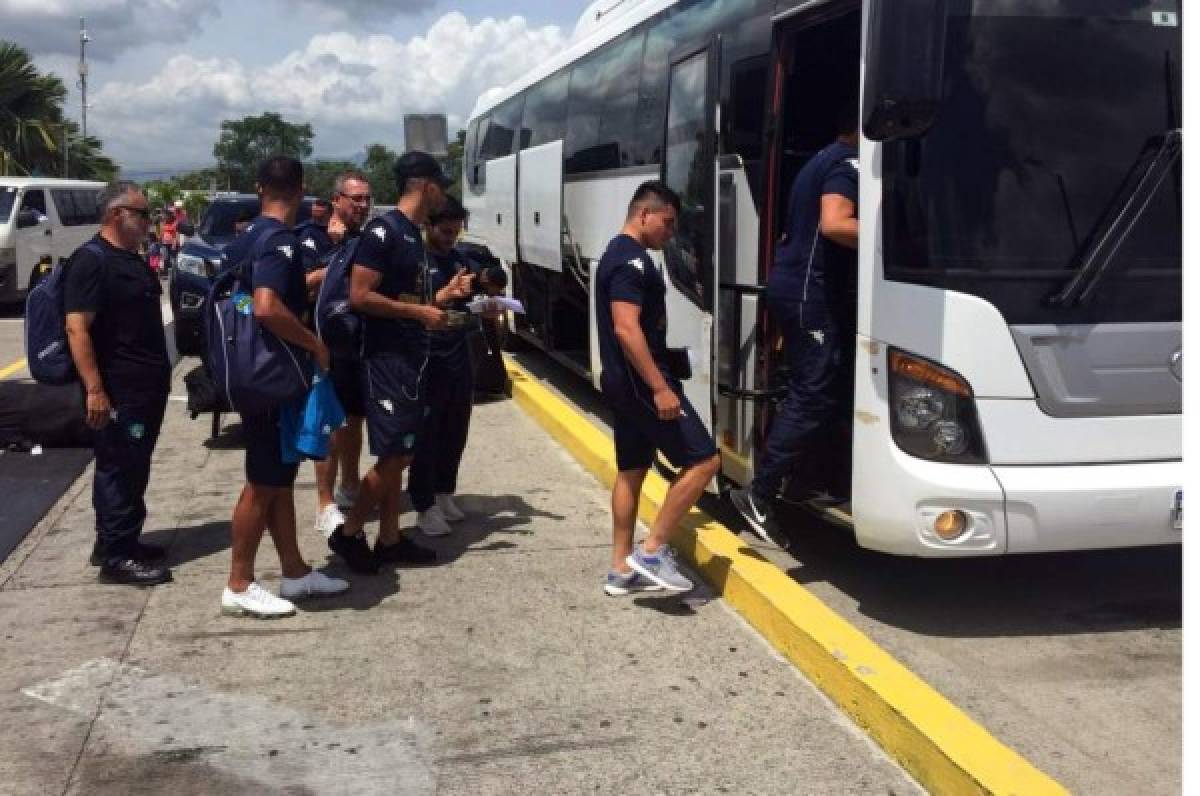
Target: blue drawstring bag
x=306 y=424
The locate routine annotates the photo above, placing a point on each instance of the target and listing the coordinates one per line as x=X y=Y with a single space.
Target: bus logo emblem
x=1175 y=363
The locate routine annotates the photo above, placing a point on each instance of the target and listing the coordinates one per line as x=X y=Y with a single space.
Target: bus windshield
x=1049 y=143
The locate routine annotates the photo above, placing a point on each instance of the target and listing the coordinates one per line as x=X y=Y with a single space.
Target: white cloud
x=52 y=26
x=354 y=89
x=356 y=12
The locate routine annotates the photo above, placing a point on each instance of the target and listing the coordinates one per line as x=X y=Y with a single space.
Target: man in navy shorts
x=650 y=411
x=388 y=288
x=267 y=502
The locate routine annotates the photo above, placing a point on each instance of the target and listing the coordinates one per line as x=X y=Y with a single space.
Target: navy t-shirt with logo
x=627 y=273
x=127 y=331
x=280 y=265
x=315 y=245
x=400 y=260
x=809 y=268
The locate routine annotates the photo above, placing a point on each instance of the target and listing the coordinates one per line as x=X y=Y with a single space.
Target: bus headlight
x=933 y=411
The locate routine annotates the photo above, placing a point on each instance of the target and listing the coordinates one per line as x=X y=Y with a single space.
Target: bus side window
x=545 y=117
x=600 y=121
x=686 y=172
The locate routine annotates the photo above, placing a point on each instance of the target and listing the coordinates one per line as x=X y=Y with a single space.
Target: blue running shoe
x=659 y=568
x=618 y=584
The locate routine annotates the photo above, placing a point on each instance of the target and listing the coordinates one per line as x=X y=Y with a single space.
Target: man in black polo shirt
x=389 y=288
x=115 y=331
x=650 y=411
x=318 y=245
x=269 y=255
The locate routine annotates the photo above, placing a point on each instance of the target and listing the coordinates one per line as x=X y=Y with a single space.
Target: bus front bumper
x=1011 y=509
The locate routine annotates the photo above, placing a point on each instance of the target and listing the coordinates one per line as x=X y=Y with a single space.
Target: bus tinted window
x=499 y=137
x=545 y=112
x=473 y=166
x=687 y=174
x=603 y=100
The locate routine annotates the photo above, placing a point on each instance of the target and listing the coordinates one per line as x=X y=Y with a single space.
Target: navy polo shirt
x=399 y=257
x=127 y=331
x=809 y=268
x=315 y=245
x=280 y=265
x=627 y=273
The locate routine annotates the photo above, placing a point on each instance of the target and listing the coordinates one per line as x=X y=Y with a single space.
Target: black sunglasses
x=144 y=212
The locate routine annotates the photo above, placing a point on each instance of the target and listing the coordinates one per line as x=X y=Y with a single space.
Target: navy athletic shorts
x=395 y=410
x=348 y=386
x=264 y=454
x=638 y=432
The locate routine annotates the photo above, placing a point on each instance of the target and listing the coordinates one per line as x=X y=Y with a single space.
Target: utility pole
x=83 y=72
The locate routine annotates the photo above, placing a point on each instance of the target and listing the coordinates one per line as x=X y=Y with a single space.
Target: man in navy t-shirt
x=811 y=298
x=273 y=273
x=650 y=411
x=389 y=289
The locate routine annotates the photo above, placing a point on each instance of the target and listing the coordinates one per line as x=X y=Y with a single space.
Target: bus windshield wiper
x=1133 y=197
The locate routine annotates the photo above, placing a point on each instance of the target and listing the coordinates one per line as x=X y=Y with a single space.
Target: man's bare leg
x=281 y=521
x=627 y=490
x=349 y=440
x=683 y=494
x=249 y=521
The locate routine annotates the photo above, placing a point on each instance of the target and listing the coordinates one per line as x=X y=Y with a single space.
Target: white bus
x=1018 y=361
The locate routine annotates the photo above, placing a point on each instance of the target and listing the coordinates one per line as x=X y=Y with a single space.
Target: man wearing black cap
x=390 y=290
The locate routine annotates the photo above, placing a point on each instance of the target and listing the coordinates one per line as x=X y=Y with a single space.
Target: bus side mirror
x=903 y=68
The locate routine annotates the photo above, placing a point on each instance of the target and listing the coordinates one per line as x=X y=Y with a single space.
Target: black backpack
x=46 y=348
x=338 y=326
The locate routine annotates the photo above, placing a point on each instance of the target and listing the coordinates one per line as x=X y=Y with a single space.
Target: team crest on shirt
x=386 y=405
x=310 y=243
x=285 y=250
x=637 y=263
x=853 y=162
x=381 y=232
x=410 y=239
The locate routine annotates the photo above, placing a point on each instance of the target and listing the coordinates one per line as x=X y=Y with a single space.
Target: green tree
x=161 y=193
x=245 y=143
x=378 y=168
x=33 y=128
x=319 y=176
x=454 y=162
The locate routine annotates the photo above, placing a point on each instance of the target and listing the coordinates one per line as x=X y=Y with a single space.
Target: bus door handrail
x=739 y=393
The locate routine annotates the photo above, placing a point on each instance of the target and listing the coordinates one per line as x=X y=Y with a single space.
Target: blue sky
x=165 y=73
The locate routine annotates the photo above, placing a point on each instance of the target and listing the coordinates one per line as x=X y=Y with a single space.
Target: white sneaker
x=450 y=510
x=432 y=523
x=314 y=584
x=344 y=499
x=329 y=519
x=255 y=601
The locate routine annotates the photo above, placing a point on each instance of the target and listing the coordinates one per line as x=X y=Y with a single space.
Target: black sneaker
x=758 y=513
x=132 y=572
x=139 y=552
x=405 y=551
x=355 y=551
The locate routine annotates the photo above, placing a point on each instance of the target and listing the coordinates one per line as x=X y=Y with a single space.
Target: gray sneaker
x=618 y=584
x=659 y=568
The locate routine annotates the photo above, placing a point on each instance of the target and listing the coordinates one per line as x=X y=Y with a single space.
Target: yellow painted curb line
x=9 y=370
x=943 y=748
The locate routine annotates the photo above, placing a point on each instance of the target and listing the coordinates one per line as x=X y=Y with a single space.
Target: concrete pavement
x=503 y=670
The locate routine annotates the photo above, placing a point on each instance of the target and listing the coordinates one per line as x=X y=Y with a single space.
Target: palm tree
x=30 y=109
x=33 y=127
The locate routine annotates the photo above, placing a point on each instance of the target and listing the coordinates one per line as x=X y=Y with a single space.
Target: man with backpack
x=114 y=328
x=318 y=244
x=268 y=257
x=389 y=289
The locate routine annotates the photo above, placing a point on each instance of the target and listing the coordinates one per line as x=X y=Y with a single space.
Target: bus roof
x=603 y=21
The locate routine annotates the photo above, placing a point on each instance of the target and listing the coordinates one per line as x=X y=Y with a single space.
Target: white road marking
x=244 y=736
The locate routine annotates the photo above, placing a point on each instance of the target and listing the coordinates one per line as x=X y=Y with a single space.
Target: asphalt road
x=1073 y=660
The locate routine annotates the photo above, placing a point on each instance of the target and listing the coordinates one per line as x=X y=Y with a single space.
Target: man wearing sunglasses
x=318 y=244
x=115 y=331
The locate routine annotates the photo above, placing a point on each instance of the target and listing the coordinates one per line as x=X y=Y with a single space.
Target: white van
x=42 y=221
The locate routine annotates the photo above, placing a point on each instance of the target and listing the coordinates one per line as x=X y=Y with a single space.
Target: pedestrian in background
x=114 y=325
x=650 y=411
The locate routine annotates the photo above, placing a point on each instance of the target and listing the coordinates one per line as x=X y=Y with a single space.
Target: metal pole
x=83 y=72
